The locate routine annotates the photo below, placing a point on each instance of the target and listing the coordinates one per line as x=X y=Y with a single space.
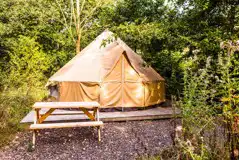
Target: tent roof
x=96 y=61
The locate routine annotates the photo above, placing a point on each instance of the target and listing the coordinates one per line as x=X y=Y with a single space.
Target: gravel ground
x=121 y=140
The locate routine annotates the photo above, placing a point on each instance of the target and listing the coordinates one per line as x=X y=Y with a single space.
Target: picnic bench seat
x=51 y=106
x=66 y=125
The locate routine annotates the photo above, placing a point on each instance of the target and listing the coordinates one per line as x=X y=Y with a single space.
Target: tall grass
x=14 y=105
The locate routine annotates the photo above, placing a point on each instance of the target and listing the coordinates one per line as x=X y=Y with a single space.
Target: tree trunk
x=78 y=44
x=78 y=30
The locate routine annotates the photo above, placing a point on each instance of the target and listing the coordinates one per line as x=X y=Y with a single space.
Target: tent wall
x=121 y=87
x=115 y=74
x=130 y=75
x=78 y=91
x=111 y=94
x=111 y=87
x=133 y=94
x=154 y=93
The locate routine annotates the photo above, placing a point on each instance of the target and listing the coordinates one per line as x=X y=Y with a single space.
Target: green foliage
x=40 y=20
x=198 y=96
x=182 y=42
x=13 y=107
x=145 y=29
x=27 y=64
x=33 y=45
x=179 y=38
x=210 y=93
x=191 y=150
x=230 y=100
x=139 y=10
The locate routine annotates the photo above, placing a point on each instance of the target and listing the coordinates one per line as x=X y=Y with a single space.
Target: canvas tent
x=110 y=73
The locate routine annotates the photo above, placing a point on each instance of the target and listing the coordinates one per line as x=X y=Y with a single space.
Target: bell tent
x=111 y=74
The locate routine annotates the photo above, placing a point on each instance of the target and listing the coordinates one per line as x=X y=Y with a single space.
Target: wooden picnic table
x=51 y=106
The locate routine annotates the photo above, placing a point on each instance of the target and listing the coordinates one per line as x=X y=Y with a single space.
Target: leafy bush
x=27 y=64
x=22 y=84
x=13 y=107
x=210 y=107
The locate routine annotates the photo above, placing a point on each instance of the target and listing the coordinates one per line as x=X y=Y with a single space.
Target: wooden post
x=38 y=117
x=91 y=116
x=38 y=113
x=44 y=116
x=94 y=112
x=98 y=114
x=98 y=119
x=34 y=131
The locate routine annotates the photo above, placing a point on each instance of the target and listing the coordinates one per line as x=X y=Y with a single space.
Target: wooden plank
x=68 y=112
x=89 y=105
x=98 y=119
x=148 y=114
x=62 y=112
x=66 y=125
x=94 y=112
x=135 y=118
x=33 y=139
x=44 y=116
x=98 y=114
x=99 y=136
x=35 y=117
x=38 y=113
x=88 y=114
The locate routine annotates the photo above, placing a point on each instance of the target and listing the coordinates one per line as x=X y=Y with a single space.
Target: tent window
x=54 y=91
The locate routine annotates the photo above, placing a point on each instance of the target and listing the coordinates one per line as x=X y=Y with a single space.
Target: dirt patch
x=122 y=140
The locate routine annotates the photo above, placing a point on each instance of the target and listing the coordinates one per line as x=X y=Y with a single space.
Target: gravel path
x=121 y=140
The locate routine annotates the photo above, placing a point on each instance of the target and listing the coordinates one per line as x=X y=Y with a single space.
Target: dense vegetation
x=193 y=44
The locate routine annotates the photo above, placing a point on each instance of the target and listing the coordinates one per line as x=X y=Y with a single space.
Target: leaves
x=27 y=63
x=181 y=39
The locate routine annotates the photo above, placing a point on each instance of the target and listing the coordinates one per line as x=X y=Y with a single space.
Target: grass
x=14 y=105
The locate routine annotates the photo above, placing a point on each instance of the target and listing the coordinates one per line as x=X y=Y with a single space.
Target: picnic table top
x=66 y=105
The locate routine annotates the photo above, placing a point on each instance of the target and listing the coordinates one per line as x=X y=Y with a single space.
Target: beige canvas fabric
x=114 y=75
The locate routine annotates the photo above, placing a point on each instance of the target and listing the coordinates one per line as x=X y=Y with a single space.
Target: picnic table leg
x=33 y=139
x=98 y=119
x=36 y=117
x=94 y=112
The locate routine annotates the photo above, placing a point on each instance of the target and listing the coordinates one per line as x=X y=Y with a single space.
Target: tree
x=80 y=17
x=145 y=25
x=27 y=64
